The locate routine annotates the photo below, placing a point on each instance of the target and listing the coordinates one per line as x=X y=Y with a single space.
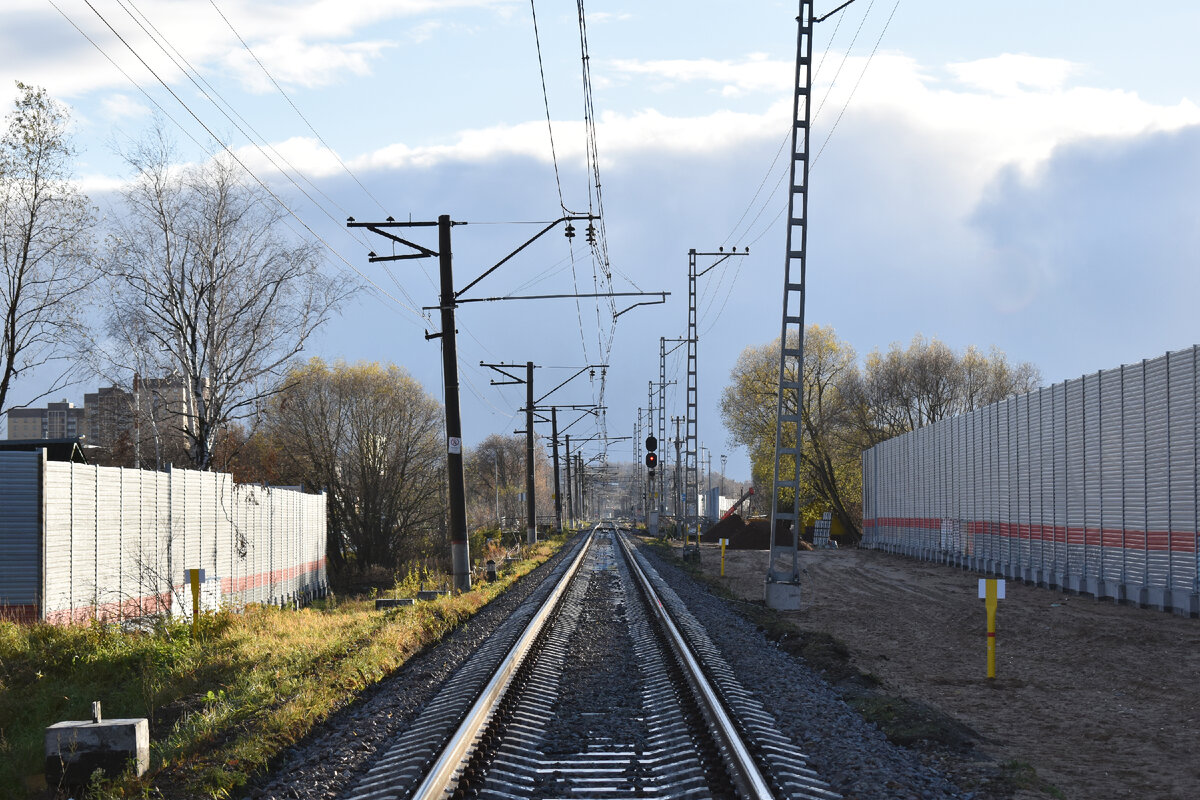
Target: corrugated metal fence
x=82 y=542
x=1090 y=485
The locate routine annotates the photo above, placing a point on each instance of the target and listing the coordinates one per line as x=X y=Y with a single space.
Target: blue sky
x=1021 y=175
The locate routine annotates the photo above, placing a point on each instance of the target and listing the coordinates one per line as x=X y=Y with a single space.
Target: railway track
x=600 y=686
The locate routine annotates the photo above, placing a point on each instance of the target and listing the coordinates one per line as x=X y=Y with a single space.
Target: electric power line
x=228 y=150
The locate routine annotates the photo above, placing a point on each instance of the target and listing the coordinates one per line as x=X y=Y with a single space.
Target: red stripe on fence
x=1151 y=541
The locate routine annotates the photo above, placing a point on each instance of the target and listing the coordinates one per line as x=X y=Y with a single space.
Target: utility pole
x=783 y=587
x=557 y=489
x=691 y=452
x=531 y=407
x=678 y=485
x=663 y=383
x=721 y=493
x=496 y=469
x=459 y=554
x=587 y=409
x=638 y=494
x=651 y=488
x=530 y=509
x=708 y=482
x=447 y=301
x=570 y=485
x=579 y=479
x=530 y=505
x=459 y=549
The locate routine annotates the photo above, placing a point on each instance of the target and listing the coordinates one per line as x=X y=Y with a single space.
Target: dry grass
x=222 y=705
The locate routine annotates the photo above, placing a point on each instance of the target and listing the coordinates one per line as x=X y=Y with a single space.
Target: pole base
x=782 y=596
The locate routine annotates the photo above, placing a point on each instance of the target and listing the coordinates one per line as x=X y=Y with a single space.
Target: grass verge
x=222 y=705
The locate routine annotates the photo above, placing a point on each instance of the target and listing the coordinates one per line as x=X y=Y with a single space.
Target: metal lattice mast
x=662 y=408
x=637 y=462
x=651 y=477
x=791 y=338
x=691 y=434
x=661 y=433
x=691 y=447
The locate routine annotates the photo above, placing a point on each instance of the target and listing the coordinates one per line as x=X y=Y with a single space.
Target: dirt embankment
x=1091 y=699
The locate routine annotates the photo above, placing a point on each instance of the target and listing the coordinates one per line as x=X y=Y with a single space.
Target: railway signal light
x=651 y=443
x=651 y=460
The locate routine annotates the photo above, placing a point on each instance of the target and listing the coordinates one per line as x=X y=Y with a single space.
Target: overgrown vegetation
x=222 y=705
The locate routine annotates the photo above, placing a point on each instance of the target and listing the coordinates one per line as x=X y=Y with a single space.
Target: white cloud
x=303 y=153
x=294 y=62
x=1011 y=74
x=647 y=131
x=998 y=112
x=734 y=78
x=982 y=116
x=121 y=107
x=40 y=45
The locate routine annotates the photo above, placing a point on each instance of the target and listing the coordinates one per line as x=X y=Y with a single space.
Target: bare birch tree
x=209 y=291
x=45 y=243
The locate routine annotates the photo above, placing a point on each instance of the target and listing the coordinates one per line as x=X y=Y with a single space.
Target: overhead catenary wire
x=782 y=209
x=209 y=92
x=719 y=286
x=537 y=39
x=295 y=108
x=861 y=75
x=787 y=138
x=222 y=146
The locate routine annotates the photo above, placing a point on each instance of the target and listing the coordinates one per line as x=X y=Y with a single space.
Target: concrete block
x=74 y=750
x=382 y=603
x=432 y=594
x=1191 y=605
x=782 y=596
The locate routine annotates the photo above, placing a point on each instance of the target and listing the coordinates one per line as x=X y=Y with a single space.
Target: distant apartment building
x=108 y=413
x=56 y=421
x=156 y=409
x=145 y=426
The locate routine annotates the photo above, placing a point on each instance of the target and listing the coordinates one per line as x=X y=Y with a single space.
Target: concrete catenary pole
x=530 y=510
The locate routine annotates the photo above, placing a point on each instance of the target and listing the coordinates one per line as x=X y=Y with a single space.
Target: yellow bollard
x=991 y=591
x=195 y=576
x=723 y=543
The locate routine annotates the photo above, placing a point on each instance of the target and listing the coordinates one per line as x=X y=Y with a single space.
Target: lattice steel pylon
x=662 y=412
x=691 y=449
x=791 y=338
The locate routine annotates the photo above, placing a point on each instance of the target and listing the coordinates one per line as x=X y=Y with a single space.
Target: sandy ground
x=1102 y=700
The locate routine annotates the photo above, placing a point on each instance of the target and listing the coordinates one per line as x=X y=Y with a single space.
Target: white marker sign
x=455 y=445
x=983 y=589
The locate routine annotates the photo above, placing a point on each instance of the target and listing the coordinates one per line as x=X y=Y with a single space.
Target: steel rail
x=433 y=786
x=744 y=770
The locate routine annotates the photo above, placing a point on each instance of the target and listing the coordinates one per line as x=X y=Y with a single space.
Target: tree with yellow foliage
x=846 y=410
x=830 y=474
x=371 y=437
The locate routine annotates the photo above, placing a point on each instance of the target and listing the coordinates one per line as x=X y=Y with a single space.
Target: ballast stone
x=76 y=749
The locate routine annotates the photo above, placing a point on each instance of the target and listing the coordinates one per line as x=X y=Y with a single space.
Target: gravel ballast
x=853 y=756
x=331 y=759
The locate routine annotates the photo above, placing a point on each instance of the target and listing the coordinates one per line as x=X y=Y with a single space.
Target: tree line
x=848 y=407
